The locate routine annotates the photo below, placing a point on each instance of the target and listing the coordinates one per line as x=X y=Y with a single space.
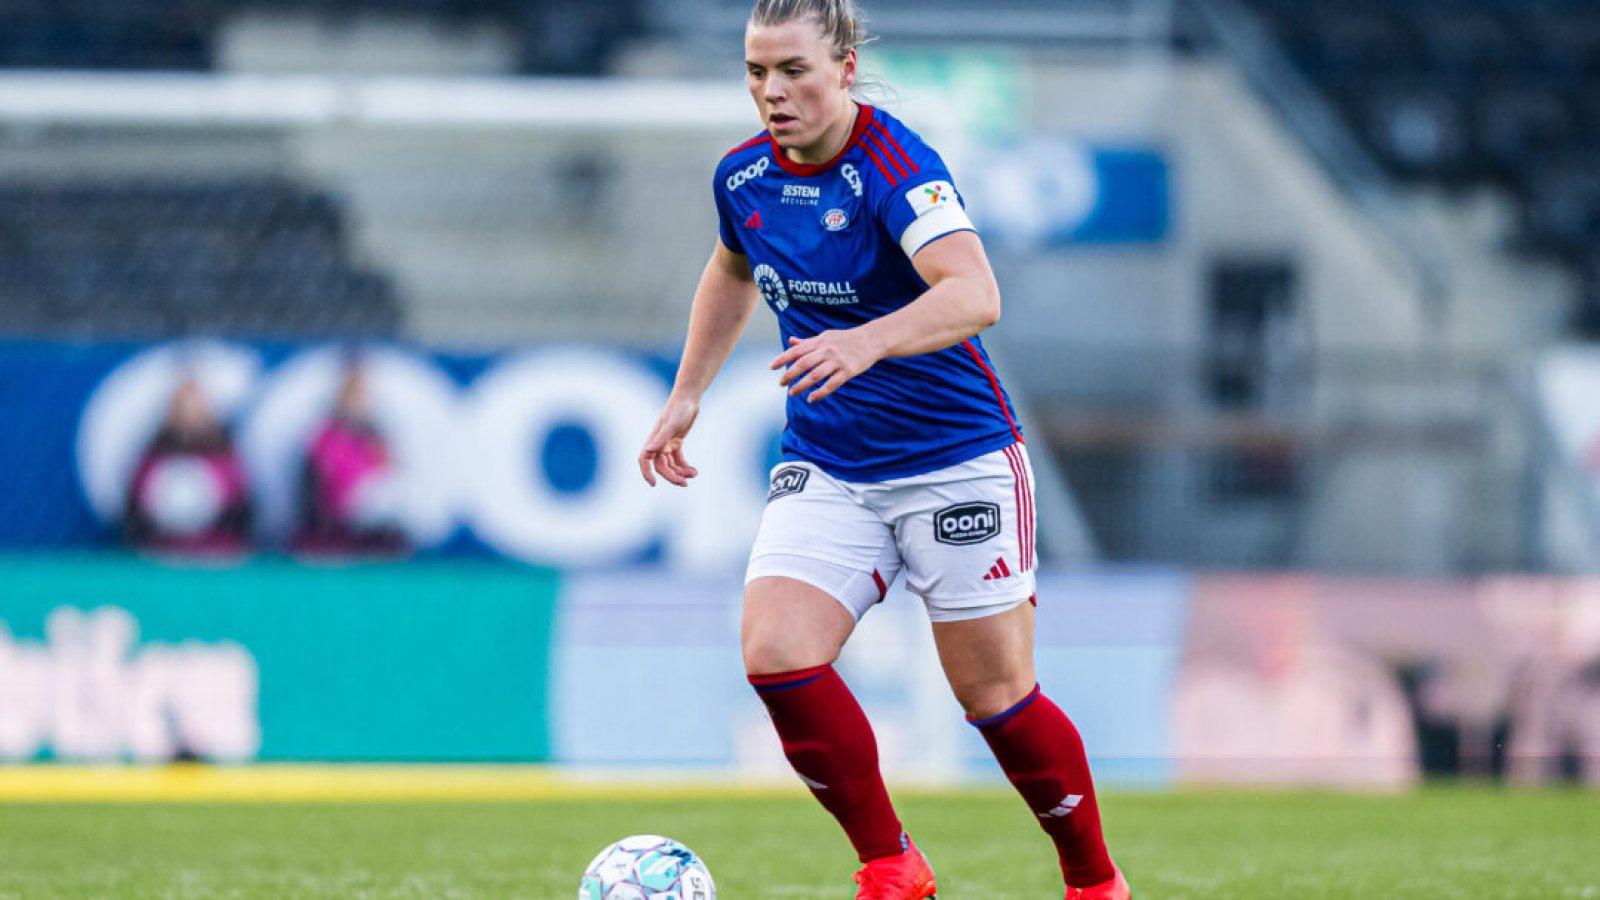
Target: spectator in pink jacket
x=350 y=497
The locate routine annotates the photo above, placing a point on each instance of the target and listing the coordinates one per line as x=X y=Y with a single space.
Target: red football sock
x=1041 y=752
x=829 y=742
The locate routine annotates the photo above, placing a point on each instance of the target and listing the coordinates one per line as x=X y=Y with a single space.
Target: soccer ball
x=647 y=867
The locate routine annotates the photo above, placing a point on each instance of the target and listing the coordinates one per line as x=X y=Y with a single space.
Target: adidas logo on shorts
x=998 y=571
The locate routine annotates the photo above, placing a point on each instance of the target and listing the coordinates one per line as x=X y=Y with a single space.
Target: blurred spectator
x=350 y=497
x=189 y=494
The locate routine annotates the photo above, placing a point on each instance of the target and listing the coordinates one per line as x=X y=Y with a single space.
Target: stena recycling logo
x=486 y=457
x=748 y=173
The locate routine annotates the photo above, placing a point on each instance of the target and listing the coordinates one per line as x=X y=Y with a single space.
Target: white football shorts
x=963 y=535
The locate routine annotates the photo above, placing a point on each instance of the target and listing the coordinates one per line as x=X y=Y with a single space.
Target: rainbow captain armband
x=937 y=210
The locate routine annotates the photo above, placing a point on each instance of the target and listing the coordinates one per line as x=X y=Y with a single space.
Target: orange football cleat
x=906 y=876
x=1115 y=889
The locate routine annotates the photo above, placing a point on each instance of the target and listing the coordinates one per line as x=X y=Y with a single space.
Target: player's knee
x=988 y=697
x=767 y=653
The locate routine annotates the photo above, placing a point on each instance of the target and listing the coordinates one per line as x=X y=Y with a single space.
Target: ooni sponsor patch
x=966 y=523
x=788 y=480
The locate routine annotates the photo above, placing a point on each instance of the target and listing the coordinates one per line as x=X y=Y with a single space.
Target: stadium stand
x=1467 y=93
x=565 y=37
x=256 y=257
x=106 y=34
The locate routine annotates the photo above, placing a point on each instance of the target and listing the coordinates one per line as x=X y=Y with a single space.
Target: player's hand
x=663 y=450
x=824 y=362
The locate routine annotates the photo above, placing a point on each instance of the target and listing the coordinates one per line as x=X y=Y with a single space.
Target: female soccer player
x=901 y=449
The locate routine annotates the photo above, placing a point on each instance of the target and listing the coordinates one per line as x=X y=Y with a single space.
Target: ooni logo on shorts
x=749 y=173
x=788 y=480
x=969 y=523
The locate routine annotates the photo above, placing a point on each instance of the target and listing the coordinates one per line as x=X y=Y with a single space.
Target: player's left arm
x=962 y=299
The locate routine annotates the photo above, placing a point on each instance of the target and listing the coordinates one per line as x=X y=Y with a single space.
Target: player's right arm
x=722 y=306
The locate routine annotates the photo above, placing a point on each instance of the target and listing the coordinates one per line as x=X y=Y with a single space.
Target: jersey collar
x=863 y=119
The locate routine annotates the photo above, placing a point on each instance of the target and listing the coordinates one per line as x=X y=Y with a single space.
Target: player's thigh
x=816 y=540
x=988 y=660
x=966 y=535
x=788 y=624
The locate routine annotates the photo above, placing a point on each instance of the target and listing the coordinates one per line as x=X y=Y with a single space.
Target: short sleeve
x=727 y=227
x=923 y=206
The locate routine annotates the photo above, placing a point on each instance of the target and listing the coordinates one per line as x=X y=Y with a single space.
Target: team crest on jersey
x=925 y=198
x=835 y=220
x=771 y=285
x=788 y=480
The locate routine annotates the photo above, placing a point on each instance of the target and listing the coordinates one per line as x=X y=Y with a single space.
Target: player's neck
x=832 y=141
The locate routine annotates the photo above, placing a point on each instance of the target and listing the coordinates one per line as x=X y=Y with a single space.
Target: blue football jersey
x=830 y=247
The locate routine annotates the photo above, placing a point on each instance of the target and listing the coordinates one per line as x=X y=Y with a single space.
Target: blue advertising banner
x=528 y=455
x=1052 y=193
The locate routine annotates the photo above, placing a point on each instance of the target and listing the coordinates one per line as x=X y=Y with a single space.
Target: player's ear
x=847 y=70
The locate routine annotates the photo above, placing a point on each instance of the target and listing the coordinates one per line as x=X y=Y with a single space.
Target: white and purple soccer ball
x=647 y=867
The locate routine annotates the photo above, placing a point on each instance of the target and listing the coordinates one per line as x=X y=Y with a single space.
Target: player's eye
x=795 y=73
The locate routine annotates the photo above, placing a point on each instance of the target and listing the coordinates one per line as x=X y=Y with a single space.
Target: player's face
x=801 y=91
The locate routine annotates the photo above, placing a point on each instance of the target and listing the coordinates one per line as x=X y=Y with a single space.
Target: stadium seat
x=1517 y=121
x=140 y=259
x=1562 y=214
x=1416 y=126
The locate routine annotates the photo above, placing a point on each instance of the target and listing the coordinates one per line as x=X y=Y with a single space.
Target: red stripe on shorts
x=1025 y=514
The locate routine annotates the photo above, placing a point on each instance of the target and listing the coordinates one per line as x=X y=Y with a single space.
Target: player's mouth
x=780 y=120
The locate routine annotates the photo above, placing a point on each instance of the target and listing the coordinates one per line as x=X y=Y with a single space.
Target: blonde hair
x=841 y=22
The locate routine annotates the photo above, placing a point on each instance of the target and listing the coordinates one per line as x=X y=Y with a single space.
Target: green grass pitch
x=1436 y=843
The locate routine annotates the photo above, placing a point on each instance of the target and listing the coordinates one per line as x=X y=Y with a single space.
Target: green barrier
x=117 y=657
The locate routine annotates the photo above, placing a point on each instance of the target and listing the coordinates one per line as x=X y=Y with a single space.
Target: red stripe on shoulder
x=873 y=155
x=763 y=136
x=878 y=143
x=878 y=126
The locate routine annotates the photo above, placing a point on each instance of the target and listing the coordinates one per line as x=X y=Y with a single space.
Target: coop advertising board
x=106 y=658
x=527 y=455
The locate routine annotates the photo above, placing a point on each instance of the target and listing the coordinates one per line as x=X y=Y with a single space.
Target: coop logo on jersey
x=852 y=175
x=966 y=523
x=788 y=480
x=925 y=198
x=772 y=289
x=835 y=220
x=748 y=173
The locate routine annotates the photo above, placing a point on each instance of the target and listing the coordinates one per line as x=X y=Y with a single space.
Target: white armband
x=938 y=211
